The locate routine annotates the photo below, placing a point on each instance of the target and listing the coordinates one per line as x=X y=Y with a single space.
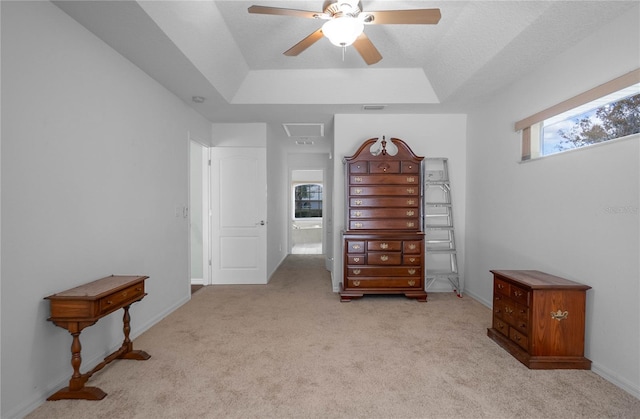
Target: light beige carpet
x=290 y=349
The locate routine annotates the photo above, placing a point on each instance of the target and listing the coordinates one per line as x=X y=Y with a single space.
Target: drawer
x=519 y=338
x=519 y=295
x=389 y=258
x=389 y=282
x=408 y=179
x=395 y=245
x=521 y=318
x=411 y=260
x=116 y=300
x=410 y=167
x=412 y=247
x=384 y=167
x=498 y=306
x=384 y=213
x=387 y=224
x=413 y=190
x=501 y=287
x=358 y=167
x=384 y=202
x=365 y=271
x=355 y=260
x=355 y=246
x=500 y=325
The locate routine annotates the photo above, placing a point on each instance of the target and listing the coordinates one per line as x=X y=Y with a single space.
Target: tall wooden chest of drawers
x=384 y=241
x=539 y=319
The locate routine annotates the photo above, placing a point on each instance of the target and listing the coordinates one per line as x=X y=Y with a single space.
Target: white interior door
x=238 y=215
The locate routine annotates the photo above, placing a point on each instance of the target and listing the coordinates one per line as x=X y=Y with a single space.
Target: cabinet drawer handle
x=356 y=283
x=517 y=293
x=139 y=289
x=411 y=191
x=356 y=259
x=412 y=260
x=508 y=310
x=358 y=202
x=357 y=214
x=358 y=225
x=355 y=246
x=109 y=302
x=411 y=179
x=411 y=224
x=412 y=283
x=559 y=315
x=358 y=191
x=412 y=246
x=357 y=179
x=411 y=202
x=384 y=258
x=411 y=271
x=410 y=213
x=384 y=245
x=356 y=271
x=500 y=286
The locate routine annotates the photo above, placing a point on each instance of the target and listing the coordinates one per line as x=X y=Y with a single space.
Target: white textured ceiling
x=217 y=50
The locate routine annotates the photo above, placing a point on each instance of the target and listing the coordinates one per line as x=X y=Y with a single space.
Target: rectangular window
x=607 y=112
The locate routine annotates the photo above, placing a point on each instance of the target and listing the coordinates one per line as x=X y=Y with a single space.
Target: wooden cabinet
x=384 y=242
x=539 y=319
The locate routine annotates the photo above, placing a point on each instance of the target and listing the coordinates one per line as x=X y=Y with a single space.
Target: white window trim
x=525 y=125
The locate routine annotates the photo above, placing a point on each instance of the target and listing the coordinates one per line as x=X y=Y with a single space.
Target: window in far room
x=307 y=201
x=608 y=112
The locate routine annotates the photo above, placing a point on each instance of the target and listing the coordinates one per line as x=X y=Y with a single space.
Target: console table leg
x=127 y=345
x=76 y=388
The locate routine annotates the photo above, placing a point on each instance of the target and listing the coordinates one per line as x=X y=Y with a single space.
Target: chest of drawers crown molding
x=539 y=319
x=384 y=238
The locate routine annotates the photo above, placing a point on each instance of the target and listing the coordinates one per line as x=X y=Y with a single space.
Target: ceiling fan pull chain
x=343 y=49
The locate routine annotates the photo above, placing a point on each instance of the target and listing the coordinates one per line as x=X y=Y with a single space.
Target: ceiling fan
x=345 y=22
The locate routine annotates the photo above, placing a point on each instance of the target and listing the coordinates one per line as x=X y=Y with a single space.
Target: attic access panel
x=304 y=129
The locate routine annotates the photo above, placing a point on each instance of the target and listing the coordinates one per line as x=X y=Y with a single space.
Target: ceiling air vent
x=304 y=142
x=373 y=107
x=304 y=129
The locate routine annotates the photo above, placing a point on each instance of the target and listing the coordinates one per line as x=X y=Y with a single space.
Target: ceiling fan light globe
x=342 y=31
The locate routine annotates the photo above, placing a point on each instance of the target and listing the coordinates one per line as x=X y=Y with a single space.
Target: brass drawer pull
x=355 y=246
x=411 y=224
x=357 y=179
x=411 y=191
x=517 y=293
x=356 y=271
x=356 y=283
x=384 y=258
x=357 y=214
x=411 y=271
x=411 y=202
x=356 y=259
x=410 y=213
x=358 y=202
x=412 y=260
x=358 y=191
x=412 y=246
x=411 y=179
x=384 y=245
x=412 y=283
x=559 y=315
x=358 y=225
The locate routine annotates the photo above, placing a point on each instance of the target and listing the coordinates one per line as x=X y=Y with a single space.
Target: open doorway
x=307 y=209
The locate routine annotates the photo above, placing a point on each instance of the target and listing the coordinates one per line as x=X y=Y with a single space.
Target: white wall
x=555 y=214
x=428 y=136
x=94 y=165
x=277 y=192
x=197 y=234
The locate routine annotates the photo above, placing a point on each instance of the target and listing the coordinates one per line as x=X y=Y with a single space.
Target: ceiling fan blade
x=304 y=44
x=367 y=50
x=263 y=10
x=417 y=16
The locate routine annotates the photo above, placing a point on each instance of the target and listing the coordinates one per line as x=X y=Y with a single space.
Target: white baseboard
x=197 y=281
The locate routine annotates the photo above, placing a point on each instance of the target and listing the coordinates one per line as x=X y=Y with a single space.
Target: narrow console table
x=540 y=319
x=82 y=307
